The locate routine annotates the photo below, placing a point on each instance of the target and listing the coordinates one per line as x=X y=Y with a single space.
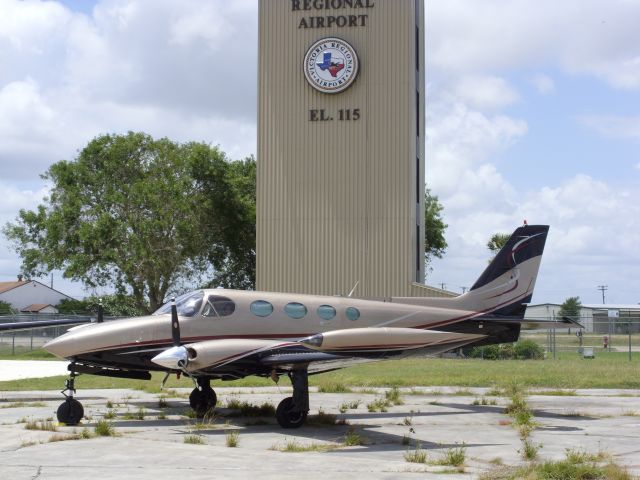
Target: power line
x=603 y=288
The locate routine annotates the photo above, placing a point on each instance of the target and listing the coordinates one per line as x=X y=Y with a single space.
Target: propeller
x=176 y=357
x=175 y=324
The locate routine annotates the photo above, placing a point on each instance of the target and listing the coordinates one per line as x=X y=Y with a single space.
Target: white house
x=23 y=295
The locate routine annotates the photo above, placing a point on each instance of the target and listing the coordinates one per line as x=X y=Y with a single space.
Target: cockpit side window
x=187 y=305
x=218 y=306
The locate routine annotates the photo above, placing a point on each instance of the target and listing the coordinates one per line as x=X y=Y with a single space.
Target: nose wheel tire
x=70 y=412
x=286 y=415
x=202 y=400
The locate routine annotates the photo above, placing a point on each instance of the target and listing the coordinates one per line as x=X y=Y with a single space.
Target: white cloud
x=580 y=36
x=460 y=144
x=544 y=84
x=485 y=92
x=157 y=66
x=613 y=126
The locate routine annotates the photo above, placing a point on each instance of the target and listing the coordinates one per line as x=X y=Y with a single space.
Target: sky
x=533 y=112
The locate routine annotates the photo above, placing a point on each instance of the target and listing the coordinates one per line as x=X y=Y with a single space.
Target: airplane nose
x=60 y=347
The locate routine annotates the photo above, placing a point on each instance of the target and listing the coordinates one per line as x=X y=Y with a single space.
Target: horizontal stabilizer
x=537 y=323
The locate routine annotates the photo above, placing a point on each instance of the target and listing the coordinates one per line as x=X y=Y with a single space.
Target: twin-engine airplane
x=229 y=334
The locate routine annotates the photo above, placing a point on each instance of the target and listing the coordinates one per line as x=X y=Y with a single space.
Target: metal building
x=341 y=147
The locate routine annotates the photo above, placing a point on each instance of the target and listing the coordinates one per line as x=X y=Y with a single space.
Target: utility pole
x=443 y=286
x=603 y=288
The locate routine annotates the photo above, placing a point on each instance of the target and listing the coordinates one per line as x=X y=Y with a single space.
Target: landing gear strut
x=202 y=398
x=292 y=411
x=70 y=412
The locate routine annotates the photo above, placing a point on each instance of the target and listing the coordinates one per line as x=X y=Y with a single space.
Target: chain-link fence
x=615 y=334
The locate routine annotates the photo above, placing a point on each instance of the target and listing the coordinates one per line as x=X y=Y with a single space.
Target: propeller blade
x=175 y=324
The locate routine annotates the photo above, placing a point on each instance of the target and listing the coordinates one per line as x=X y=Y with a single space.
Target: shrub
x=507 y=351
x=528 y=349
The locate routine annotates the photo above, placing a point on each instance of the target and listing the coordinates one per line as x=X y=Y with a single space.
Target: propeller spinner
x=176 y=357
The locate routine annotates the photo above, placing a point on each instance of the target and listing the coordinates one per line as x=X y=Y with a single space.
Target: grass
x=393 y=396
x=453 y=457
x=82 y=435
x=578 y=464
x=607 y=370
x=333 y=387
x=194 y=439
x=352 y=439
x=139 y=414
x=44 y=425
x=529 y=449
x=104 y=428
x=231 y=438
x=110 y=414
x=324 y=418
x=484 y=401
x=22 y=405
x=294 y=446
x=378 y=405
x=416 y=456
x=246 y=409
x=353 y=405
x=25 y=353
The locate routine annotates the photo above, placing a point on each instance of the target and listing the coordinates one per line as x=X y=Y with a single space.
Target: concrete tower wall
x=341 y=175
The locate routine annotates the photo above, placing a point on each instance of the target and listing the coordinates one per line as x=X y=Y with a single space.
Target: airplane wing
x=321 y=352
x=14 y=326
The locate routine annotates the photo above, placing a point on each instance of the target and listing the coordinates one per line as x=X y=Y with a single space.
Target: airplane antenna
x=353 y=289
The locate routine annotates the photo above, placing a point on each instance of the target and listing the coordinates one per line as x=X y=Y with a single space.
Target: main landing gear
x=292 y=411
x=70 y=412
x=202 y=398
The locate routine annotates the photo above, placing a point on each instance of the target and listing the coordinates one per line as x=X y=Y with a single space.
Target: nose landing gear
x=203 y=398
x=71 y=411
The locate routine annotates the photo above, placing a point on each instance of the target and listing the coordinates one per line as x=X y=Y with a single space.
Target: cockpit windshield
x=188 y=304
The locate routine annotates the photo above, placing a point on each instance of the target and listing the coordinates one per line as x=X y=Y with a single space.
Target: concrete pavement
x=438 y=419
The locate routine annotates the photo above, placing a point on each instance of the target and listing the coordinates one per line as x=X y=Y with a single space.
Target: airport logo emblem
x=331 y=65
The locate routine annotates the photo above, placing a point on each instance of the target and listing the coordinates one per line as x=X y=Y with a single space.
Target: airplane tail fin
x=507 y=283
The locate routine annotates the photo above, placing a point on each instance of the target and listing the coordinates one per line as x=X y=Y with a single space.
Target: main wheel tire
x=203 y=401
x=70 y=412
x=288 y=418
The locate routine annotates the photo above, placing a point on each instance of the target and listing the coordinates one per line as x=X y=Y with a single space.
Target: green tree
x=496 y=242
x=571 y=308
x=229 y=190
x=131 y=212
x=5 y=308
x=118 y=305
x=434 y=228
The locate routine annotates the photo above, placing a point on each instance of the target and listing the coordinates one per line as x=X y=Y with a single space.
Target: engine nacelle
x=384 y=338
x=211 y=353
